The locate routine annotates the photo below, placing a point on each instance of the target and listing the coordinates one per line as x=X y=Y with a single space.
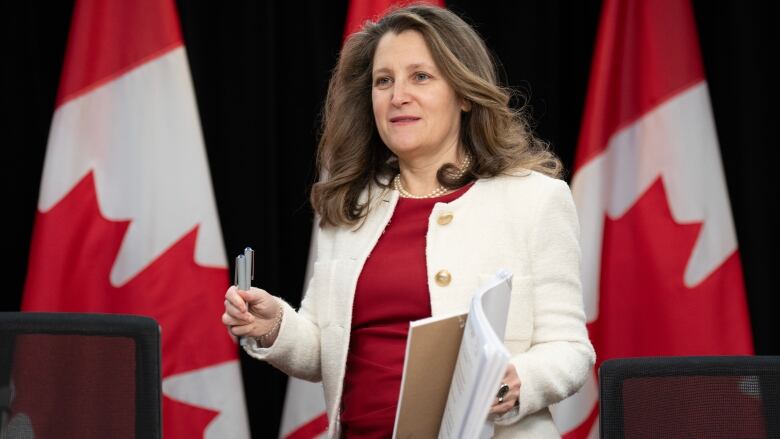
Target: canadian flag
x=304 y=414
x=126 y=220
x=661 y=271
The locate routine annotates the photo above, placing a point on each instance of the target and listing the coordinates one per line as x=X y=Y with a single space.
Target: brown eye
x=382 y=82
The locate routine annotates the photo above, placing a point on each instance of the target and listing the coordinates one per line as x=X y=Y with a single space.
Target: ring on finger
x=502 y=391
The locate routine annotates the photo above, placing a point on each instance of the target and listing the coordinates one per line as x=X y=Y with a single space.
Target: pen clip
x=249 y=256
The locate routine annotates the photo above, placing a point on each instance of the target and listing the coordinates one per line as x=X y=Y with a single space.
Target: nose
x=400 y=94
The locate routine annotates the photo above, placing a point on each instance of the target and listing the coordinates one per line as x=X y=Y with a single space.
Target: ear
x=465 y=105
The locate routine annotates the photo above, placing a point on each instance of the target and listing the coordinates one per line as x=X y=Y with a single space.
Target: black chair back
x=72 y=375
x=690 y=397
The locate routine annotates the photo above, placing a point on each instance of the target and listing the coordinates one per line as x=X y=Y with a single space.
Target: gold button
x=443 y=278
x=445 y=218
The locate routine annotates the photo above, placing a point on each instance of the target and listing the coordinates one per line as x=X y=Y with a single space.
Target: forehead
x=404 y=49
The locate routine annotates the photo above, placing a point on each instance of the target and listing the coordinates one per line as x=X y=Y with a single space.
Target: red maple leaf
x=73 y=250
x=192 y=420
x=645 y=309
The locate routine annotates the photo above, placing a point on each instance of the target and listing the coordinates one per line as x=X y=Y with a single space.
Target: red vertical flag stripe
x=646 y=53
x=146 y=29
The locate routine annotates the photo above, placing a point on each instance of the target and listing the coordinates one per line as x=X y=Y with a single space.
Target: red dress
x=392 y=291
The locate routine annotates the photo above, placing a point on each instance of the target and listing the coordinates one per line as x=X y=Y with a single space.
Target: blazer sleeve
x=296 y=350
x=560 y=355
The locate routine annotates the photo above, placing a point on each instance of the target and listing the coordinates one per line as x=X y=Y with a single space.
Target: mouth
x=403 y=120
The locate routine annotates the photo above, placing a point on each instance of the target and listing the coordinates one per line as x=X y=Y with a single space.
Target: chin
x=404 y=150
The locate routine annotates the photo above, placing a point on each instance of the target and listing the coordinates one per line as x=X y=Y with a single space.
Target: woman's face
x=416 y=111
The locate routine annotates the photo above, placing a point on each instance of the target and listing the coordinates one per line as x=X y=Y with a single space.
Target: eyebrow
x=414 y=66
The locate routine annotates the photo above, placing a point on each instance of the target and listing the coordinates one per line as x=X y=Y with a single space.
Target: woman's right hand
x=251 y=313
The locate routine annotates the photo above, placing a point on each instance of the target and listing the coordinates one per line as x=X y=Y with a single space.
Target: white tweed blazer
x=525 y=222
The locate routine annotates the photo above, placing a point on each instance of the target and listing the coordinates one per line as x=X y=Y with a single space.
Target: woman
x=432 y=183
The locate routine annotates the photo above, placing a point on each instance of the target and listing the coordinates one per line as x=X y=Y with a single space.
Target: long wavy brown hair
x=351 y=155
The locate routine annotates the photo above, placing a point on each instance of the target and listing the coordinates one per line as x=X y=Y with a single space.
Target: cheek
x=451 y=113
x=376 y=106
x=379 y=114
x=376 y=109
x=379 y=110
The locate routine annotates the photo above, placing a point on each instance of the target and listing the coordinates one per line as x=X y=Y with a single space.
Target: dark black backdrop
x=260 y=71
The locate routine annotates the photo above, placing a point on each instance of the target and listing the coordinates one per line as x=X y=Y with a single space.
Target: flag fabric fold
x=127 y=220
x=661 y=269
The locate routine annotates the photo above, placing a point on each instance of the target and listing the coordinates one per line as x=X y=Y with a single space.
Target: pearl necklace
x=441 y=190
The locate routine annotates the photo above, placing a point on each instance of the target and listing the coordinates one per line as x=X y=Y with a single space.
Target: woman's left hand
x=511 y=397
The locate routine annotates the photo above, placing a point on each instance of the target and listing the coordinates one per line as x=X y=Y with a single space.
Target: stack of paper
x=451 y=372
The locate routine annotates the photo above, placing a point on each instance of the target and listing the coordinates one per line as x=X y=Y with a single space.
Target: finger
x=500 y=409
x=253 y=296
x=506 y=404
x=231 y=308
x=229 y=320
x=260 y=303
x=514 y=387
x=512 y=397
x=237 y=313
x=233 y=297
x=512 y=379
x=240 y=330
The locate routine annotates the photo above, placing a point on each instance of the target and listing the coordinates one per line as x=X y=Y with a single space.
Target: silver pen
x=244 y=274
x=245 y=269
